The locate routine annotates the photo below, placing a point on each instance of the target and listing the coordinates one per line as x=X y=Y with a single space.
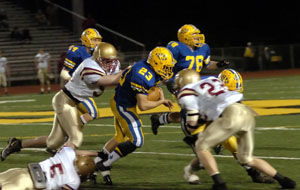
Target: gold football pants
x=237 y=119
x=66 y=122
x=16 y=179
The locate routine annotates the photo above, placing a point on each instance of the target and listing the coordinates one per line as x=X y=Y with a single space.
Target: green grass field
x=159 y=164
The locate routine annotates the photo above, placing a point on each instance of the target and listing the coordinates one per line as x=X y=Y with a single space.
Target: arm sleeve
x=188 y=103
x=91 y=76
x=207 y=57
x=71 y=60
x=139 y=84
x=173 y=47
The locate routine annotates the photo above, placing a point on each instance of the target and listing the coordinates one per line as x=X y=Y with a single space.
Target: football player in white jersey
x=42 y=63
x=210 y=100
x=62 y=171
x=89 y=80
x=3 y=72
x=234 y=82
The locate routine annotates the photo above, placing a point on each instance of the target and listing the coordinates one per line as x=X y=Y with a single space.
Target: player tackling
x=210 y=100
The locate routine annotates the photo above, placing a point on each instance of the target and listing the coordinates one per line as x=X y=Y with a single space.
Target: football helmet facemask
x=84 y=165
x=186 y=76
x=232 y=80
x=161 y=60
x=90 y=38
x=190 y=35
x=105 y=54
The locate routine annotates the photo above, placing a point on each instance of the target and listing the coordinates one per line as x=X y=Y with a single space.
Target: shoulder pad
x=186 y=92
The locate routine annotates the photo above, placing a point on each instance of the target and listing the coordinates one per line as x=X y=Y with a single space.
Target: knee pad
x=126 y=148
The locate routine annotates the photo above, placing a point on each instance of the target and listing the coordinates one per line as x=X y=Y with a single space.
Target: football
x=153 y=93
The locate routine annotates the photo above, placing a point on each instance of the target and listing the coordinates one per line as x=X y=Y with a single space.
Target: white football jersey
x=81 y=85
x=42 y=60
x=3 y=62
x=60 y=170
x=210 y=96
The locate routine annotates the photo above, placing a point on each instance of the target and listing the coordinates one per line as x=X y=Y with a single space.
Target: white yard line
x=16 y=101
x=278 y=128
x=180 y=154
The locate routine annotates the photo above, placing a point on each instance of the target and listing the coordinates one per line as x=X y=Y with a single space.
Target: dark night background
x=224 y=23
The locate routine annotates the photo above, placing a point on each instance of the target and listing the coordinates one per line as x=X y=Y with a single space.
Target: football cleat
x=259 y=177
x=218 y=149
x=50 y=151
x=287 y=183
x=105 y=172
x=154 y=123
x=93 y=177
x=190 y=177
x=14 y=145
x=221 y=186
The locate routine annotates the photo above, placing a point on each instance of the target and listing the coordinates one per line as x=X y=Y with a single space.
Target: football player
x=42 y=64
x=131 y=93
x=90 y=38
x=63 y=171
x=4 y=72
x=89 y=80
x=190 y=52
x=209 y=100
x=234 y=82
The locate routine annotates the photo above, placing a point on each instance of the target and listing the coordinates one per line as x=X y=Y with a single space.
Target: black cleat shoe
x=259 y=177
x=52 y=152
x=92 y=178
x=154 y=123
x=287 y=183
x=218 y=149
x=105 y=172
x=107 y=180
x=221 y=186
x=14 y=145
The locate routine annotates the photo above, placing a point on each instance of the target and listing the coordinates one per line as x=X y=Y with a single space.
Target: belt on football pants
x=68 y=93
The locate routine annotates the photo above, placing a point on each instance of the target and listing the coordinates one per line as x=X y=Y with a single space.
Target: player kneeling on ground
x=210 y=100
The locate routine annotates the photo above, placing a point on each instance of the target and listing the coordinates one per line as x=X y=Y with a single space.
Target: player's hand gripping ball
x=153 y=93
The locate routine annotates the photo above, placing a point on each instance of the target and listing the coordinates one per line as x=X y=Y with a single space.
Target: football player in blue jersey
x=132 y=92
x=190 y=52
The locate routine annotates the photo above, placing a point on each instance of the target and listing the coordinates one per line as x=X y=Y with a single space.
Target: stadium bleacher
x=20 y=55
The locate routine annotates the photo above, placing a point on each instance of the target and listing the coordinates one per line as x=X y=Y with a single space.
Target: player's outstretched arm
x=109 y=80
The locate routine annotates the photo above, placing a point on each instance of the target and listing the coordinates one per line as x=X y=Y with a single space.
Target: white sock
x=163 y=118
x=112 y=157
x=105 y=150
x=83 y=120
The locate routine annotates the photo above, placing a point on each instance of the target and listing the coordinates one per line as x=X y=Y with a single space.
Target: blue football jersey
x=187 y=58
x=75 y=55
x=137 y=79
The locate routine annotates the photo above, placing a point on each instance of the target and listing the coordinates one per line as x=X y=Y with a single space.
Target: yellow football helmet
x=90 y=38
x=190 y=35
x=105 y=54
x=84 y=165
x=161 y=60
x=232 y=79
x=186 y=76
